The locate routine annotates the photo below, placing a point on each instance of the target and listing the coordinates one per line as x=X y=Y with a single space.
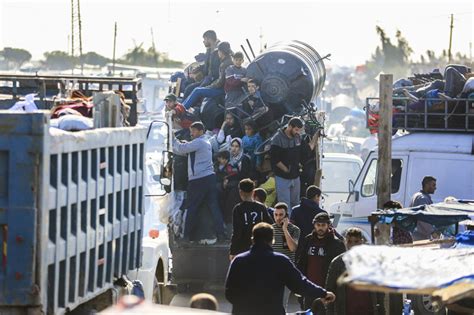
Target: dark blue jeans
x=202 y=191
x=199 y=93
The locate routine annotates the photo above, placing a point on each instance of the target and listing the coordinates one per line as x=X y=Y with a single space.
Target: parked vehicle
x=338 y=170
x=446 y=156
x=80 y=210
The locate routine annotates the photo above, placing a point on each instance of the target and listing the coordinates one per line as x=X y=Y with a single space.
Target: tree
x=59 y=60
x=15 y=56
x=138 y=56
x=93 y=58
x=390 y=57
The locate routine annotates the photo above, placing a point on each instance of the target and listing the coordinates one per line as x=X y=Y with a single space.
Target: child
x=251 y=141
x=253 y=102
x=234 y=78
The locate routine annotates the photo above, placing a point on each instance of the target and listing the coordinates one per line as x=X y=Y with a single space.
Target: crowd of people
x=281 y=240
x=221 y=155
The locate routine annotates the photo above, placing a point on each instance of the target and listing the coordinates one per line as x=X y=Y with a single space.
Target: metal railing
x=17 y=86
x=454 y=115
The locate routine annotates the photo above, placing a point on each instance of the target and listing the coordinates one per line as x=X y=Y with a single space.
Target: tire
x=157 y=294
x=421 y=304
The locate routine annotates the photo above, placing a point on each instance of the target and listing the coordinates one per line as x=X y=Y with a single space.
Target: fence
x=70 y=211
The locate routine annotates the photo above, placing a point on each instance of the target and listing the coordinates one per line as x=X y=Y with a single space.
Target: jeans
x=288 y=191
x=202 y=191
x=199 y=93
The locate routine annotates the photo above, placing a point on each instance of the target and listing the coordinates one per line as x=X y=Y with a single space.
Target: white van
x=449 y=157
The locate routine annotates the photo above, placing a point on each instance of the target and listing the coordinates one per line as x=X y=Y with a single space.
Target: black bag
x=455 y=81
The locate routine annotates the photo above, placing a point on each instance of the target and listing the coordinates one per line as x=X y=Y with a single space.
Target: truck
x=445 y=152
x=73 y=206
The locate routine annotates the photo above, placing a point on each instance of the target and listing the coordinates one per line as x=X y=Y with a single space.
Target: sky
x=345 y=29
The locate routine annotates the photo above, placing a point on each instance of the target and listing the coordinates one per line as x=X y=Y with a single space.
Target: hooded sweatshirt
x=199 y=153
x=289 y=151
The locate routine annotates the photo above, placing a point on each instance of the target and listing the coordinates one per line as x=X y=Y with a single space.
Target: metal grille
x=456 y=115
x=87 y=199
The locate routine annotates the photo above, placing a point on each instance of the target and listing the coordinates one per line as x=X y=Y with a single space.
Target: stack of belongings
x=75 y=113
x=445 y=98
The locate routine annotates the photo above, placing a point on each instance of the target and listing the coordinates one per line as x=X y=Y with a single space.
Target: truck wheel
x=157 y=298
x=421 y=304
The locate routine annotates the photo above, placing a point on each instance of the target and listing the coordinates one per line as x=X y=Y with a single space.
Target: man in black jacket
x=245 y=216
x=303 y=214
x=256 y=278
x=288 y=153
x=316 y=251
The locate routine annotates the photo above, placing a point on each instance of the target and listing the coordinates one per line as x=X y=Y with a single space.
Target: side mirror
x=351 y=186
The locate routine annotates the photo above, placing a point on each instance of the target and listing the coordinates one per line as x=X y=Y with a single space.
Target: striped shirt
x=280 y=245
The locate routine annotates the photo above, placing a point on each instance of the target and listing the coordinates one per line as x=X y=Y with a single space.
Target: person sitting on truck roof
x=246 y=215
x=201 y=181
x=253 y=102
x=211 y=62
x=216 y=87
x=234 y=79
x=180 y=115
x=424 y=230
x=230 y=129
x=256 y=279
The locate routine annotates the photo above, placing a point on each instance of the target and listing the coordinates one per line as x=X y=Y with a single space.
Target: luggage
x=455 y=81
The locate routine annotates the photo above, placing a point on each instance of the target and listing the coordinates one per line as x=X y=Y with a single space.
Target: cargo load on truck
x=431 y=102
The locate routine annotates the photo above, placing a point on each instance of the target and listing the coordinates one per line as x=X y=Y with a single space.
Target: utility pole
x=115 y=44
x=384 y=164
x=450 y=38
x=393 y=302
x=76 y=26
x=80 y=34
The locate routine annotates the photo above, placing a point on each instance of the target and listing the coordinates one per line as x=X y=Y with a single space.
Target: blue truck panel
x=70 y=211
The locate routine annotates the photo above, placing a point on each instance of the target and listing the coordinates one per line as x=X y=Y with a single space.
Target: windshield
x=336 y=175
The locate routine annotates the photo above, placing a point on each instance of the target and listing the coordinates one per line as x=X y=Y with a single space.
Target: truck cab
x=446 y=156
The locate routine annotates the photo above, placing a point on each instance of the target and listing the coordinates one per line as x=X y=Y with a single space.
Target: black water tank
x=288 y=72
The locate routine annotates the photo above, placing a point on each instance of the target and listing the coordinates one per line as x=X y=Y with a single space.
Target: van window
x=397 y=166
x=368 y=185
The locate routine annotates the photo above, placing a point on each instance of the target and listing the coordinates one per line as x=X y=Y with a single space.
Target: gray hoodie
x=199 y=156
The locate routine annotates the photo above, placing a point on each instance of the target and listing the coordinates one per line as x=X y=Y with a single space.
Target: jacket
x=303 y=214
x=336 y=269
x=334 y=248
x=290 y=151
x=245 y=216
x=220 y=81
x=256 y=280
x=199 y=153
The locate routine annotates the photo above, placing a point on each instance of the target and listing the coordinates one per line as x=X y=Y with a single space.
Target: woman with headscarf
x=239 y=167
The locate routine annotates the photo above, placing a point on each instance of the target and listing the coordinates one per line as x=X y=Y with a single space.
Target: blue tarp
x=439 y=215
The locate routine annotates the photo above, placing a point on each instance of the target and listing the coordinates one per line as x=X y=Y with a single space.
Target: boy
x=251 y=141
x=234 y=78
x=253 y=102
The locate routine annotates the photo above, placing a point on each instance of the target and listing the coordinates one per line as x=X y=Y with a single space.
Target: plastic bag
x=28 y=105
